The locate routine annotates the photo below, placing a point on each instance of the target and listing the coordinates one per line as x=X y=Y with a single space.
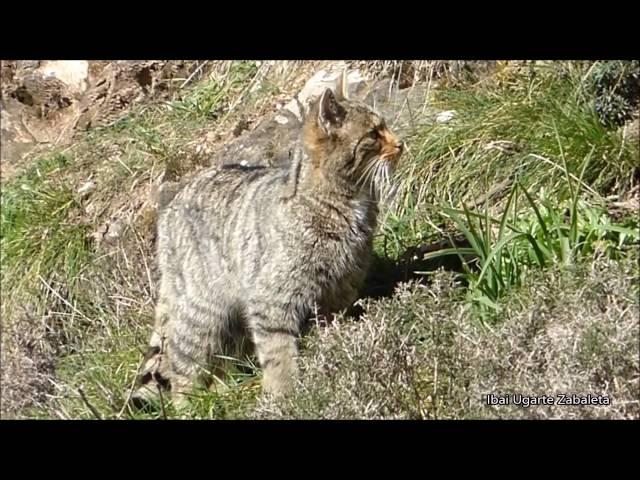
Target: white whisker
x=366 y=172
x=372 y=181
x=379 y=179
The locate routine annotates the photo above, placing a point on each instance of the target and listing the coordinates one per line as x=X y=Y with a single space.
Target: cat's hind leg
x=199 y=343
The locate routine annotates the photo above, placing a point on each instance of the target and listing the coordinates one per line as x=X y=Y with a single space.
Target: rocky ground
x=46 y=104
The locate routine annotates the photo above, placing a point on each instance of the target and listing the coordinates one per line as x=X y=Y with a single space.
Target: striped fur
x=247 y=255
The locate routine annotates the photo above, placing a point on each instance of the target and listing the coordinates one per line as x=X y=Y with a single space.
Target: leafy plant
x=504 y=249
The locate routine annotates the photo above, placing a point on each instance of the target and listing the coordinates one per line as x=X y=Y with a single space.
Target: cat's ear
x=342 y=87
x=330 y=113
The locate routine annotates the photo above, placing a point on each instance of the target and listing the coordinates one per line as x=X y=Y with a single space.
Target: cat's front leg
x=276 y=344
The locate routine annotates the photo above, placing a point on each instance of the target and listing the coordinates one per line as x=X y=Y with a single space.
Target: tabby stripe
x=315 y=204
x=176 y=350
x=187 y=339
x=270 y=362
x=204 y=318
x=268 y=330
x=232 y=194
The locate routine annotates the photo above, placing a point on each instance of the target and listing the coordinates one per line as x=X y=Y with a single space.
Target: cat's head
x=347 y=139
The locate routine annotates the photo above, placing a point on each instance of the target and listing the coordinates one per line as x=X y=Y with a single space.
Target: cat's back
x=222 y=186
x=217 y=206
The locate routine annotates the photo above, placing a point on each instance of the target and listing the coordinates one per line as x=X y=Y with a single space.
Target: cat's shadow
x=386 y=274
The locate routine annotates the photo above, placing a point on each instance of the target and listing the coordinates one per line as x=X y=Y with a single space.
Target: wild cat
x=248 y=255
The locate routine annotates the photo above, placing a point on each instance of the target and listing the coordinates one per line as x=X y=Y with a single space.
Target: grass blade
x=536 y=211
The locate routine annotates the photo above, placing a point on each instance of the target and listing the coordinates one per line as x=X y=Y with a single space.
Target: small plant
x=35 y=236
x=615 y=86
x=208 y=100
x=505 y=249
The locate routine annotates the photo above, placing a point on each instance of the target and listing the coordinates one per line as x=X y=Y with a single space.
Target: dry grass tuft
x=420 y=355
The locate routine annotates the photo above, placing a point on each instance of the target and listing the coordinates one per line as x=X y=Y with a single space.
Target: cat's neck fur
x=315 y=180
x=306 y=176
x=338 y=200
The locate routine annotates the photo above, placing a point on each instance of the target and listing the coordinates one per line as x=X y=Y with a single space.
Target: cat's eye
x=374 y=134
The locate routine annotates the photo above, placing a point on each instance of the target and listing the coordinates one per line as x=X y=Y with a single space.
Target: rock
x=16 y=139
x=73 y=73
x=50 y=108
x=39 y=105
x=115 y=231
x=273 y=141
x=117 y=87
x=444 y=117
x=86 y=188
x=48 y=102
x=404 y=110
x=28 y=64
x=267 y=145
x=322 y=80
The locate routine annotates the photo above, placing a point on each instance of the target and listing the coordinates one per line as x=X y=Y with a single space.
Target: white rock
x=322 y=80
x=115 y=231
x=444 y=117
x=293 y=107
x=74 y=73
x=86 y=188
x=281 y=119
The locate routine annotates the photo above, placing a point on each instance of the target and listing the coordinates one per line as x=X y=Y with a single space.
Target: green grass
x=208 y=101
x=37 y=236
x=505 y=249
x=538 y=138
x=526 y=129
